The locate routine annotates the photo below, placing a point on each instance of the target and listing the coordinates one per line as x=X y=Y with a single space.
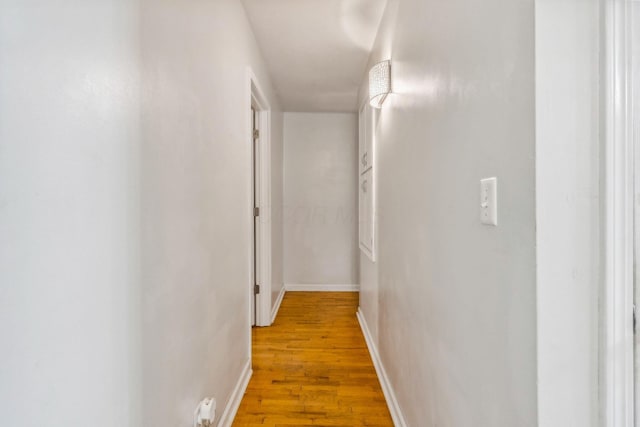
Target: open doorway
x=258 y=127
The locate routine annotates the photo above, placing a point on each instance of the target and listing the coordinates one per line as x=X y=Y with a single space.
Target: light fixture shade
x=379 y=83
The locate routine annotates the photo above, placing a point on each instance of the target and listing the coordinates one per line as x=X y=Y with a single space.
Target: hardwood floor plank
x=312 y=368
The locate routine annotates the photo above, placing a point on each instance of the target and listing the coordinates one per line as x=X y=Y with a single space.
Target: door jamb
x=619 y=154
x=259 y=101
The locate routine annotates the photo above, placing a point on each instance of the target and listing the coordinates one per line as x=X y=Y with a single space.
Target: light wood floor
x=312 y=367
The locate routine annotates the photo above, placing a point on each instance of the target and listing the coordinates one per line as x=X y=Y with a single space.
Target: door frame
x=257 y=99
x=620 y=148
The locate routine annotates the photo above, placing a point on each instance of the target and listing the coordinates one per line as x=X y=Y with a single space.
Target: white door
x=635 y=72
x=256 y=214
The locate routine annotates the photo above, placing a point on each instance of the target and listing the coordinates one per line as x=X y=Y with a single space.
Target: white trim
x=257 y=97
x=618 y=364
x=227 y=417
x=387 y=389
x=367 y=120
x=276 y=306
x=319 y=287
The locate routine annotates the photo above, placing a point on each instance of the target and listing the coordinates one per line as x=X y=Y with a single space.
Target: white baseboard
x=292 y=287
x=389 y=394
x=236 y=397
x=276 y=307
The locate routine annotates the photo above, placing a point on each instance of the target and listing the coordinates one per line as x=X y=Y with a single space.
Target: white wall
x=320 y=198
x=69 y=213
x=196 y=175
x=455 y=305
x=125 y=209
x=568 y=220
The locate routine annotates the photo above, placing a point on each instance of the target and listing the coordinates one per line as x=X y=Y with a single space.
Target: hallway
x=437 y=201
x=312 y=367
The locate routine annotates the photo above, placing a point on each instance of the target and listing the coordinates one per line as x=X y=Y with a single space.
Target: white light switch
x=489 y=201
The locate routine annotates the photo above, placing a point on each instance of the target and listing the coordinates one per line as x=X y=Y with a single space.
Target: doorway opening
x=258 y=127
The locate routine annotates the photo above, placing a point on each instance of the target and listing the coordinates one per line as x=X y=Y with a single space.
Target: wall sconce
x=379 y=83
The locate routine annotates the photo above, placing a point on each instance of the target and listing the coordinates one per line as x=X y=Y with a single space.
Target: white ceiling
x=316 y=50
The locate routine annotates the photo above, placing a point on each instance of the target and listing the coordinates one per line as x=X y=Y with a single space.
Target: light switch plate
x=489 y=201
